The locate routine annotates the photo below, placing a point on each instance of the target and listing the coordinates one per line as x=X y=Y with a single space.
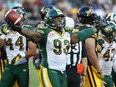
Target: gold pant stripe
x=46 y=78
x=39 y=77
x=2 y=66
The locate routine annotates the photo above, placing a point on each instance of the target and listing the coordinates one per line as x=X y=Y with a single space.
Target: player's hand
x=82 y=81
x=15 y=59
x=15 y=27
x=36 y=61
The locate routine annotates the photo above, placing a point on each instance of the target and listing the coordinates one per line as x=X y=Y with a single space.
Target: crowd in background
x=69 y=7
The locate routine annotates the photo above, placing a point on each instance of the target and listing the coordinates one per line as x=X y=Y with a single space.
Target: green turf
x=33 y=76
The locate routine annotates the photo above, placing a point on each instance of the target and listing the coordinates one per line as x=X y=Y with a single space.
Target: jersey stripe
x=75 y=54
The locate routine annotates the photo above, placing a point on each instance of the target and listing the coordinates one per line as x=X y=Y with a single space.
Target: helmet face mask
x=86 y=15
x=21 y=11
x=55 y=19
x=59 y=21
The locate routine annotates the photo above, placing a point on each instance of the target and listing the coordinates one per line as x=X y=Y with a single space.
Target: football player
x=54 y=42
x=107 y=49
x=86 y=17
x=41 y=24
x=111 y=17
x=16 y=47
x=3 y=61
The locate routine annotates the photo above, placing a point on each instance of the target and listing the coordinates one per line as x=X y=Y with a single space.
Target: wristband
x=22 y=54
x=2 y=36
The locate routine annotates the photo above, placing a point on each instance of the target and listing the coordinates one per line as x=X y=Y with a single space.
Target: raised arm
x=33 y=35
x=82 y=35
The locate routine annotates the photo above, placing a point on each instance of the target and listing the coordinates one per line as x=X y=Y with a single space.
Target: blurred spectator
x=3 y=9
x=12 y=3
x=46 y=2
x=100 y=10
x=114 y=8
x=69 y=7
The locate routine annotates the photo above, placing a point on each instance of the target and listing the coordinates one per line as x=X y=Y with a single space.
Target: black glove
x=99 y=22
x=36 y=61
x=15 y=27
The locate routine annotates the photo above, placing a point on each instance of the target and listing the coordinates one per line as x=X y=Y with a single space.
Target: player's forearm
x=30 y=53
x=84 y=63
x=86 y=33
x=31 y=34
x=94 y=61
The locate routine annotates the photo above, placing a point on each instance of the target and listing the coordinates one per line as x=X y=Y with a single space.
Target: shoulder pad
x=40 y=25
x=94 y=36
x=4 y=29
x=67 y=28
x=40 y=30
x=75 y=30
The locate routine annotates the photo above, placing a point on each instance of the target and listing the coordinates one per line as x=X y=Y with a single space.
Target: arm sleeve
x=86 y=33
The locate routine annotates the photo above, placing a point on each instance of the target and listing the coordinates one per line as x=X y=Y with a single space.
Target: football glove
x=36 y=61
x=15 y=27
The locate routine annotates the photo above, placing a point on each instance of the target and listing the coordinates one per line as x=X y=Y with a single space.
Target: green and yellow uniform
x=15 y=44
x=54 y=47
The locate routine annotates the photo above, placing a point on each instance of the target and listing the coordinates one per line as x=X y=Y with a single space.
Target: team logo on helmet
x=108 y=29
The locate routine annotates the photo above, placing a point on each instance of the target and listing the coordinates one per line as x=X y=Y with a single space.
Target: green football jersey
x=54 y=47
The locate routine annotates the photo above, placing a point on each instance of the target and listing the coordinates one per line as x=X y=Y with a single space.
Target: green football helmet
x=108 y=30
x=52 y=17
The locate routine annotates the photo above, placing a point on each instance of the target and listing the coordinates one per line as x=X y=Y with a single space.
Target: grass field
x=33 y=76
